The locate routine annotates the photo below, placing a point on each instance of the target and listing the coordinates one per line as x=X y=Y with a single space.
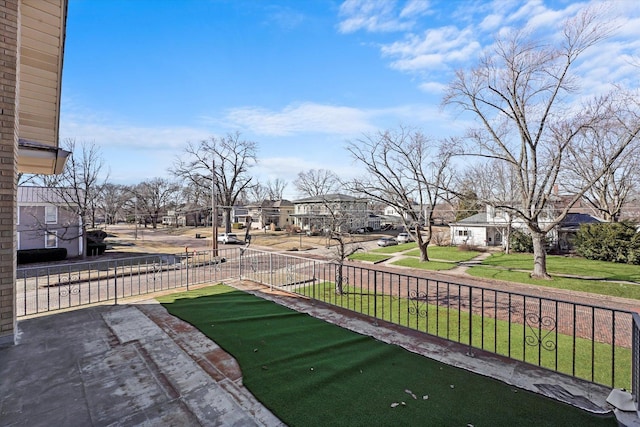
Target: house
x=491 y=228
x=44 y=221
x=268 y=212
x=331 y=212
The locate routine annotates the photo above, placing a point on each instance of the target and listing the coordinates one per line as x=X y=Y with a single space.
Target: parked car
x=387 y=241
x=404 y=238
x=225 y=238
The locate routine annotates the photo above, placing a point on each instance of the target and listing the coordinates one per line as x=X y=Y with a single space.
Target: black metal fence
x=585 y=341
x=598 y=344
x=635 y=363
x=48 y=288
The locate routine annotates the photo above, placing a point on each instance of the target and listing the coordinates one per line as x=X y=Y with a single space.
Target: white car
x=225 y=238
x=404 y=238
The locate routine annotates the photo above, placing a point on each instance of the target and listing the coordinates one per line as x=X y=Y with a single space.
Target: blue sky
x=142 y=78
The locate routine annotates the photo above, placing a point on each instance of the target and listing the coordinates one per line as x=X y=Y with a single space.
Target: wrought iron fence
x=635 y=363
x=49 y=288
x=585 y=341
x=598 y=344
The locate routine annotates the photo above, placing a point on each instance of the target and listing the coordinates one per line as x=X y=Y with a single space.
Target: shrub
x=26 y=256
x=613 y=242
x=520 y=242
x=96 y=248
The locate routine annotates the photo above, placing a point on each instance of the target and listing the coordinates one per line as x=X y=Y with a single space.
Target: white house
x=491 y=228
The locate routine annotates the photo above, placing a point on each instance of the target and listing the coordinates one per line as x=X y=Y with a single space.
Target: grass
x=428 y=265
x=569 y=266
x=446 y=253
x=622 y=290
x=369 y=257
x=487 y=333
x=312 y=373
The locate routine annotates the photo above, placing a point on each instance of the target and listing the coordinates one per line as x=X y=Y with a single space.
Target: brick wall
x=8 y=152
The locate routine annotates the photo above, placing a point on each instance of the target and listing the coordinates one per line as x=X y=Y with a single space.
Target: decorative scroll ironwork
x=418 y=303
x=69 y=285
x=540 y=329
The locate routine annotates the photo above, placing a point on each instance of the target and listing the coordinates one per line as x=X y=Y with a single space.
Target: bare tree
x=113 y=198
x=276 y=188
x=225 y=161
x=495 y=184
x=154 y=196
x=257 y=193
x=407 y=171
x=613 y=189
x=317 y=182
x=80 y=181
x=521 y=93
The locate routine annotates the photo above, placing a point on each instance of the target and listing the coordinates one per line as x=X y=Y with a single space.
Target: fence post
x=186 y=261
x=271 y=271
x=470 y=352
x=115 y=281
x=375 y=297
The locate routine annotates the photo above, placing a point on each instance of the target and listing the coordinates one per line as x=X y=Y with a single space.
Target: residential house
x=268 y=212
x=331 y=212
x=45 y=221
x=491 y=228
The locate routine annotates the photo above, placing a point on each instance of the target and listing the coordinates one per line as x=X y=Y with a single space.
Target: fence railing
x=635 y=362
x=42 y=289
x=598 y=344
x=585 y=341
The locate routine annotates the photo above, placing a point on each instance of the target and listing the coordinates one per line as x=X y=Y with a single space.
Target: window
x=50 y=214
x=462 y=232
x=51 y=239
x=18 y=215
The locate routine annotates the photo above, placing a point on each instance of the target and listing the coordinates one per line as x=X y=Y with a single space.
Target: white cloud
x=380 y=15
x=301 y=118
x=434 y=49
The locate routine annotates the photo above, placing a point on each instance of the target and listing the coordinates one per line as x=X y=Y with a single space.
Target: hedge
x=26 y=256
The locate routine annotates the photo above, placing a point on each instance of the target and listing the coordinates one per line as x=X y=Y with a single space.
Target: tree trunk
x=539 y=257
x=339 y=280
x=423 y=244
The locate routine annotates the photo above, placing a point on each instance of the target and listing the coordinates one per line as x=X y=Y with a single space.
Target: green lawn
x=497 y=336
x=622 y=290
x=446 y=253
x=311 y=373
x=568 y=265
x=429 y=265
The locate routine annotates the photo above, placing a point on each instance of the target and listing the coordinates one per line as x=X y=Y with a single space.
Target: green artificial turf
x=311 y=373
